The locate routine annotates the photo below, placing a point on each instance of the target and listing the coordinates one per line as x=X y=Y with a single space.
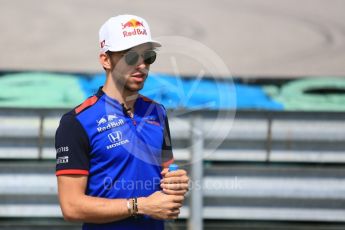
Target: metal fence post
x=40 y=137
x=195 y=221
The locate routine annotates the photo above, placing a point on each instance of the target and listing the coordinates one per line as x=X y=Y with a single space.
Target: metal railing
x=290 y=164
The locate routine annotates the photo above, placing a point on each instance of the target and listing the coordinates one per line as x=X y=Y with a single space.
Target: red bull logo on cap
x=132 y=24
x=133 y=27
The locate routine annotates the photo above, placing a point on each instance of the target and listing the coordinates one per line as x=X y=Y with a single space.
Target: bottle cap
x=173 y=167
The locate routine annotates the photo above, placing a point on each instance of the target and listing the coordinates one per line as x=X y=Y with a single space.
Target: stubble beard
x=131 y=89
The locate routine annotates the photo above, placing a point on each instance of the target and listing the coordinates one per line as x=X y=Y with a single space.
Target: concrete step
x=209 y=212
x=216 y=186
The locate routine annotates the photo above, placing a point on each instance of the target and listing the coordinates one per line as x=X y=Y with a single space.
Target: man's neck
x=123 y=96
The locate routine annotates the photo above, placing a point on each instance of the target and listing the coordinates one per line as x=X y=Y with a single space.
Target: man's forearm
x=90 y=209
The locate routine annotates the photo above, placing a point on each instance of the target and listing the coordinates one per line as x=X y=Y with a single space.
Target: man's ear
x=105 y=61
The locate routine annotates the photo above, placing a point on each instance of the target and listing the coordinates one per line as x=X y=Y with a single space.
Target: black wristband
x=136 y=205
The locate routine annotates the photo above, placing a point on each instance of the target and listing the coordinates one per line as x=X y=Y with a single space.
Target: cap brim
x=156 y=43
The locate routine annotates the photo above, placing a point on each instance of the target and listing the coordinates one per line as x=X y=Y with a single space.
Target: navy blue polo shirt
x=122 y=156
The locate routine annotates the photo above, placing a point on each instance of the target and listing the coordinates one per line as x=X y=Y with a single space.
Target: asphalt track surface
x=251 y=37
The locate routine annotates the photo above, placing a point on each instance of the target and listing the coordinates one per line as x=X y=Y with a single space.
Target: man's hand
x=160 y=206
x=175 y=183
x=166 y=205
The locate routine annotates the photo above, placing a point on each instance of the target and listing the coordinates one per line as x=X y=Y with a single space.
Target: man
x=113 y=150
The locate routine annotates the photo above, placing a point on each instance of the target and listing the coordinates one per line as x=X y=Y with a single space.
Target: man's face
x=130 y=77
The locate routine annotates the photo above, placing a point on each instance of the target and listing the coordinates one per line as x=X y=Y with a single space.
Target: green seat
x=312 y=94
x=40 y=90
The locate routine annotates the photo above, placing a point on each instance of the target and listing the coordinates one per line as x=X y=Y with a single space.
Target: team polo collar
x=112 y=101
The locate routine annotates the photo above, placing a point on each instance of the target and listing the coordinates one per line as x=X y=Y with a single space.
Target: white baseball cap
x=124 y=32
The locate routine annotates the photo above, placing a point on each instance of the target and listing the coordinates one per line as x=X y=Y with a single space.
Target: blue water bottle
x=173 y=167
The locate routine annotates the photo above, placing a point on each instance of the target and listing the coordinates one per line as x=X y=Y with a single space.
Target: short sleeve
x=72 y=147
x=167 y=153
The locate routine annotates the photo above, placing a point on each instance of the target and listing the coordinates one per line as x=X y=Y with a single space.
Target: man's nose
x=141 y=64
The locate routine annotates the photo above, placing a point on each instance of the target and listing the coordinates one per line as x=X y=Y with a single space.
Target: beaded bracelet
x=135 y=205
x=130 y=207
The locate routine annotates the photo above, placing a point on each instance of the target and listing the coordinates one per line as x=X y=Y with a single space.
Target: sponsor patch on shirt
x=104 y=125
x=62 y=160
x=116 y=139
x=151 y=120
